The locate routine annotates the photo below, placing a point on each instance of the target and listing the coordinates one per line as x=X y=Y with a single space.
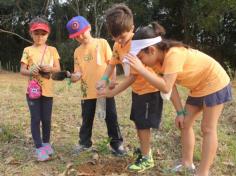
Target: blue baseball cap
x=76 y=26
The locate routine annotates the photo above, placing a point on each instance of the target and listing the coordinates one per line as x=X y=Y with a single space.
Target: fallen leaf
x=84 y=174
x=93 y=162
x=228 y=163
x=95 y=157
x=11 y=160
x=46 y=174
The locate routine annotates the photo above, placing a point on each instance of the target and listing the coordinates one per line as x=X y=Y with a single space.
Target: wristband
x=182 y=112
x=105 y=78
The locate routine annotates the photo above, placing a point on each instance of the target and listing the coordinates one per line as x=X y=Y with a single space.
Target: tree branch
x=46 y=7
x=12 y=33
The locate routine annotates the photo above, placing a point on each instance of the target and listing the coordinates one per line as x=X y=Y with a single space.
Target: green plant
x=102 y=146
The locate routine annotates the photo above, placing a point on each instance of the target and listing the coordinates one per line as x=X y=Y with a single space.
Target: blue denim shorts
x=213 y=99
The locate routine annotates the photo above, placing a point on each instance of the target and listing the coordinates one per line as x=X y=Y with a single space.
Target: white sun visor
x=138 y=45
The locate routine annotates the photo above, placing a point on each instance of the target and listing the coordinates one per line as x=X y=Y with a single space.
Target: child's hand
x=135 y=62
x=75 y=77
x=101 y=84
x=105 y=93
x=179 y=122
x=112 y=84
x=34 y=70
x=46 y=68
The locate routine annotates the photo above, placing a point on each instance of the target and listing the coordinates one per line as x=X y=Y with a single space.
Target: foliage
x=208 y=26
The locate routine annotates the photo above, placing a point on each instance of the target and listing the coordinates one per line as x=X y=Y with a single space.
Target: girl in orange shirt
x=38 y=62
x=207 y=81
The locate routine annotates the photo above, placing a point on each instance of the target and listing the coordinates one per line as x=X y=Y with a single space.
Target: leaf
x=228 y=163
x=11 y=160
x=67 y=170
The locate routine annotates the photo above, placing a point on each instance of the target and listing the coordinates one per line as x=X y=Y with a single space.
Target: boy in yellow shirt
x=90 y=61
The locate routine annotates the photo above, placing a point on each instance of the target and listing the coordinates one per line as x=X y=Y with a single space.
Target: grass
x=16 y=151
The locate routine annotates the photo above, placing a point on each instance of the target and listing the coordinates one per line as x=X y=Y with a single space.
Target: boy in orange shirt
x=90 y=60
x=147 y=104
x=207 y=81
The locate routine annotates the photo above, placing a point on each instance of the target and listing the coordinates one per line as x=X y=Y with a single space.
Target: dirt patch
x=104 y=167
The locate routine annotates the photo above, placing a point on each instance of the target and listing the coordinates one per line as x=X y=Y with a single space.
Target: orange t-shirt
x=32 y=55
x=198 y=72
x=140 y=86
x=91 y=60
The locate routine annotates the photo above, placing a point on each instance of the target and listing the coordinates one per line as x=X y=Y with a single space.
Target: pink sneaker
x=48 y=148
x=42 y=154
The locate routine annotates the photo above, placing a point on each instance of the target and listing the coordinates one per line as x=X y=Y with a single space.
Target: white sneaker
x=81 y=148
x=182 y=168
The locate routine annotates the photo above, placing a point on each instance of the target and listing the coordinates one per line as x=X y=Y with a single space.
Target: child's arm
x=164 y=84
x=113 y=80
x=121 y=87
x=74 y=77
x=176 y=101
x=102 y=83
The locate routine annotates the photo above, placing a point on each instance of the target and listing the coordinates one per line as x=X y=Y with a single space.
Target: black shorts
x=146 y=110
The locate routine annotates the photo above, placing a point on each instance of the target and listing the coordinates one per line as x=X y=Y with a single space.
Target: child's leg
x=209 y=130
x=35 y=111
x=144 y=136
x=46 y=114
x=113 y=129
x=187 y=134
x=88 y=112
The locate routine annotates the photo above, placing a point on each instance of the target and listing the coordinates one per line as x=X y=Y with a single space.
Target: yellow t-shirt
x=140 y=86
x=32 y=55
x=198 y=72
x=92 y=61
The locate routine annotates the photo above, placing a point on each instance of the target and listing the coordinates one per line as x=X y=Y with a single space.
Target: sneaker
x=120 y=151
x=41 y=154
x=81 y=148
x=183 y=169
x=141 y=164
x=48 y=148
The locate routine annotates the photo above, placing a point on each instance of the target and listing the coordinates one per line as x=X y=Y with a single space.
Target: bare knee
x=208 y=130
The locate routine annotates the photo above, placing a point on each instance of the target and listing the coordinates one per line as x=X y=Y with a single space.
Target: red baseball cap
x=39 y=26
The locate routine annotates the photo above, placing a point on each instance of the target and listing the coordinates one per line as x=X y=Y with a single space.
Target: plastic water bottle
x=126 y=66
x=101 y=108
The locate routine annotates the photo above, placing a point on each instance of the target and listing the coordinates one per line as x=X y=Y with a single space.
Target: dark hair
x=39 y=19
x=119 y=19
x=154 y=30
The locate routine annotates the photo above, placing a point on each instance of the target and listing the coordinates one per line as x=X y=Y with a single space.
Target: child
x=37 y=62
x=90 y=60
x=207 y=81
x=146 y=107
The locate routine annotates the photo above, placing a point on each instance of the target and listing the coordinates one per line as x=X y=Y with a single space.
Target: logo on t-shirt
x=88 y=57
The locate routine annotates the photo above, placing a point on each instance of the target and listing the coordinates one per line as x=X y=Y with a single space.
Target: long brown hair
x=153 y=30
